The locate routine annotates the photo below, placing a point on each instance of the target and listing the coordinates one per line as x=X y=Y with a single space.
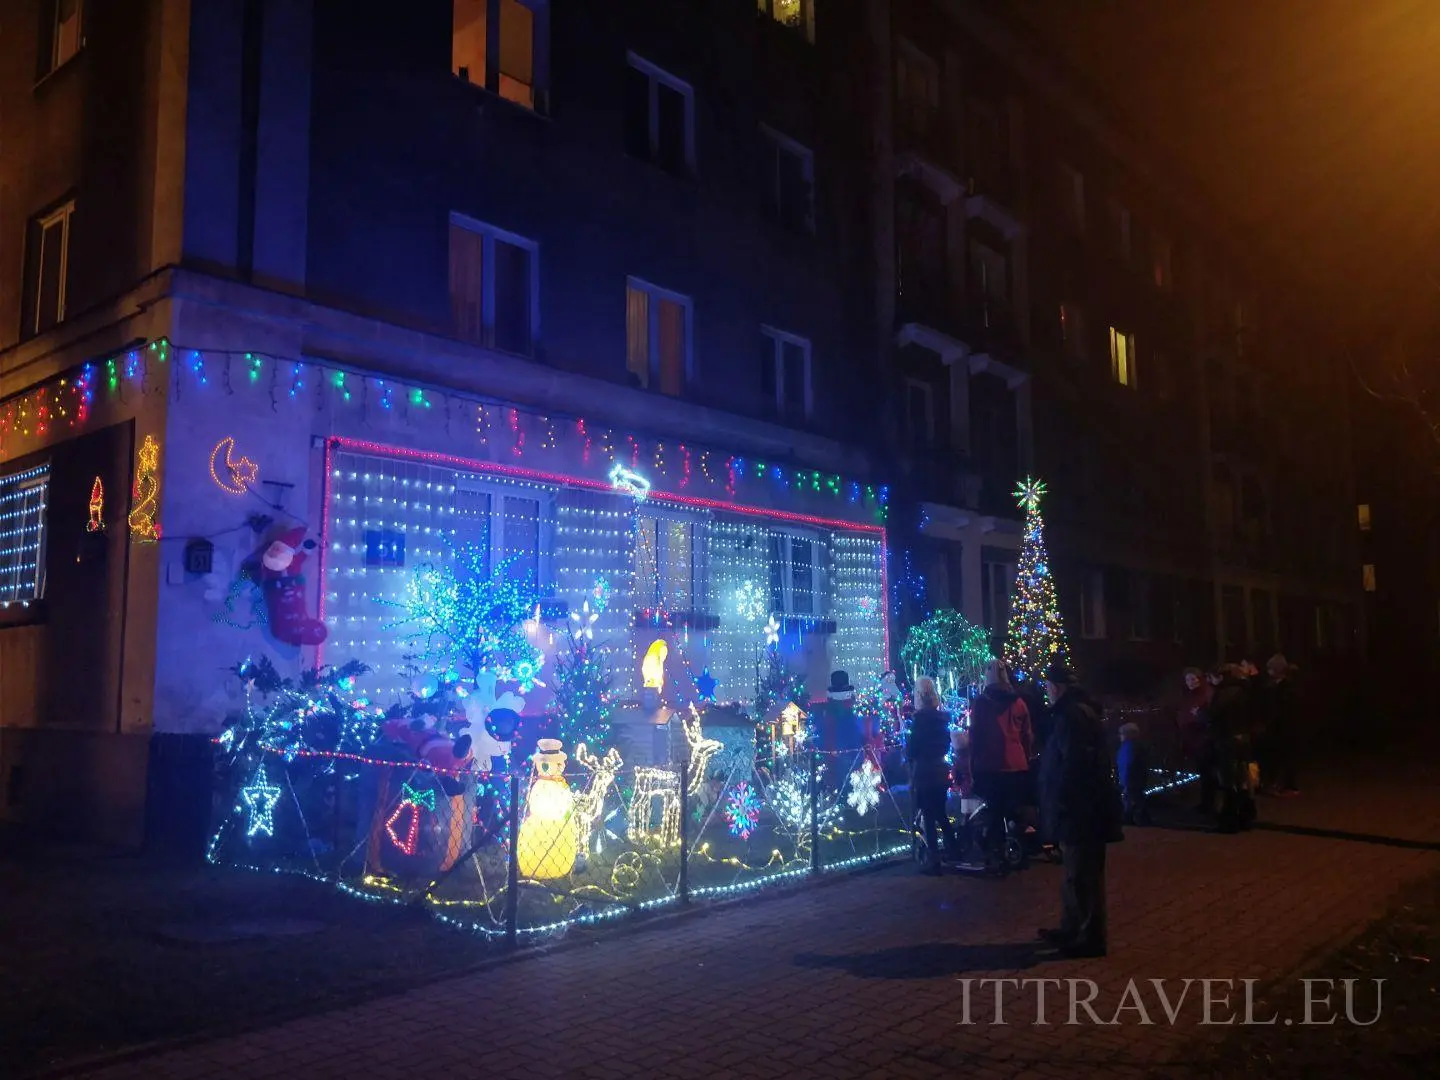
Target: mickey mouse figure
x=276 y=569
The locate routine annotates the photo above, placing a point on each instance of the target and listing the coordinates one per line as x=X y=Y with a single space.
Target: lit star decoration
x=772 y=631
x=750 y=602
x=412 y=801
x=230 y=475
x=260 y=799
x=864 y=788
x=1036 y=635
x=97 y=507
x=145 y=497
x=630 y=482
x=742 y=810
x=584 y=621
x=705 y=685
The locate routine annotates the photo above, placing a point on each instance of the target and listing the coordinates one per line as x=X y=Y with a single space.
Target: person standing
x=926 y=748
x=1196 y=746
x=1078 y=807
x=1001 y=741
x=1232 y=712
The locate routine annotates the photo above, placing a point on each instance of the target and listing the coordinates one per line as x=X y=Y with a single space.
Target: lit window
x=63 y=33
x=1368 y=577
x=1072 y=196
x=789 y=182
x=785 y=372
x=24 y=497
x=920 y=413
x=657 y=337
x=494 y=287
x=795 y=573
x=659 y=117
x=1122 y=357
x=505 y=63
x=1364 y=516
x=797 y=14
x=666 y=563
x=48 y=270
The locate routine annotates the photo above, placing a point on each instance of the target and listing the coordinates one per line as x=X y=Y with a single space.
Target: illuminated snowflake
x=742 y=810
x=864 y=788
x=750 y=602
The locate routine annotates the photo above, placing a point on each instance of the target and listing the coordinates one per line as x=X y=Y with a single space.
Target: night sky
x=1317 y=121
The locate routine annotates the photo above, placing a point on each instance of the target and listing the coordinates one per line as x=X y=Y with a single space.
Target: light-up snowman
x=546 y=845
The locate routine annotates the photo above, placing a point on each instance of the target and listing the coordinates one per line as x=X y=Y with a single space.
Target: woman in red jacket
x=1001 y=742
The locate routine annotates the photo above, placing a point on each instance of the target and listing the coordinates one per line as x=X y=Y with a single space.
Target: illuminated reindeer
x=589 y=805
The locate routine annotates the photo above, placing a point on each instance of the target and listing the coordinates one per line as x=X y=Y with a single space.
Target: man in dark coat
x=1232 y=725
x=1076 y=792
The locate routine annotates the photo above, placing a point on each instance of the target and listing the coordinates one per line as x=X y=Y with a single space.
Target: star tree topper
x=1029 y=492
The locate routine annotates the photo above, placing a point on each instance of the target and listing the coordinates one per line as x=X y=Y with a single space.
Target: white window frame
x=490 y=234
x=807 y=17
x=699 y=586
x=786 y=537
x=15 y=509
x=911 y=384
x=59 y=217
x=658 y=76
x=1092 y=606
x=1125 y=377
x=498 y=492
x=779 y=339
x=655 y=292
x=539 y=57
x=786 y=145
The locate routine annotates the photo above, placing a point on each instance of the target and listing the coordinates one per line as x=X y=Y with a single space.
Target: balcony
x=924 y=151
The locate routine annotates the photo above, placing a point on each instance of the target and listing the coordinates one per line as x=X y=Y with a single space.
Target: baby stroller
x=1239 y=776
x=1021 y=842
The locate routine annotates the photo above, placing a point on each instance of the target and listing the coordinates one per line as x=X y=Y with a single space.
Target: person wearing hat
x=1076 y=797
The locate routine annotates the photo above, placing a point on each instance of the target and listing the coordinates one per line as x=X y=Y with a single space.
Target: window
x=1160 y=259
x=1122 y=357
x=659 y=117
x=920 y=414
x=1073 y=332
x=508 y=63
x=1141 y=627
x=997 y=579
x=494 y=286
x=1072 y=196
x=505 y=525
x=789 y=182
x=667 y=568
x=920 y=243
x=785 y=372
x=47 y=270
x=1363 y=513
x=1092 y=605
x=917 y=90
x=795 y=578
x=797 y=14
x=23 y=499
x=989 y=274
x=657 y=337
x=62 y=33
x=1120 y=229
x=1368 y=577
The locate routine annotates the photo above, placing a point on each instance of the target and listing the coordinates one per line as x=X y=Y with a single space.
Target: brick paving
x=859 y=978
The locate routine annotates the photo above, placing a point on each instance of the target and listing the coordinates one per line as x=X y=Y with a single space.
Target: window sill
x=540 y=110
x=22 y=613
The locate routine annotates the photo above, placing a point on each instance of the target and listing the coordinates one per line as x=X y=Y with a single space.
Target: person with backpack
x=1080 y=809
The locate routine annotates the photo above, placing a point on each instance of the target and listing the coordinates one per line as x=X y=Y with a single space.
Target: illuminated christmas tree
x=1036 y=637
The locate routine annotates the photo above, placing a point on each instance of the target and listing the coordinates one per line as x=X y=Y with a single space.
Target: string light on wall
x=97 y=507
x=233 y=476
x=24 y=499
x=144 y=529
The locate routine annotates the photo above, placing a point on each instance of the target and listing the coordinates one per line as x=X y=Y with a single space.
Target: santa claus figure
x=276 y=570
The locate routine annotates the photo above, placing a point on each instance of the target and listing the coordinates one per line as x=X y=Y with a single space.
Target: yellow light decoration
x=233 y=477
x=792 y=725
x=701 y=749
x=652 y=668
x=590 y=803
x=97 y=507
x=145 y=499
x=546 y=844
x=655 y=782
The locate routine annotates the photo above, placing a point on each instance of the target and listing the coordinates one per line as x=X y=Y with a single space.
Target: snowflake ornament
x=865 y=785
x=742 y=810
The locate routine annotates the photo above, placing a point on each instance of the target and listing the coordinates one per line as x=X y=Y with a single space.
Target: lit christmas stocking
x=285 y=605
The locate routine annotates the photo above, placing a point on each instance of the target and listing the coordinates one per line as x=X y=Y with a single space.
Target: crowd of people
x=1054 y=752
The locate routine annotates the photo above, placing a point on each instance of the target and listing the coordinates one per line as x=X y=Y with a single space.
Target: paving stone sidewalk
x=862 y=977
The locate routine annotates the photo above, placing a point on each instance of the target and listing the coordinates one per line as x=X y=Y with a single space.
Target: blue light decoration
x=742 y=810
x=629 y=482
x=260 y=798
x=705 y=685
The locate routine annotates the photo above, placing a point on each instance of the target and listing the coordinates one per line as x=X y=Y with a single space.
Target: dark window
x=637 y=113
x=659 y=118
x=789 y=183
x=670 y=137
x=512 y=298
